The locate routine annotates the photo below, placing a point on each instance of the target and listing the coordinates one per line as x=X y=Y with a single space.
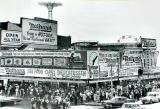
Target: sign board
x=108 y=59
x=148 y=43
x=131 y=61
x=60 y=62
x=36 y=61
x=11 y=37
x=44 y=73
x=47 y=61
x=55 y=59
x=93 y=64
x=78 y=60
x=39 y=32
x=27 y=61
x=8 y=61
x=149 y=59
x=17 y=61
x=12 y=71
x=35 y=54
x=128 y=71
x=72 y=74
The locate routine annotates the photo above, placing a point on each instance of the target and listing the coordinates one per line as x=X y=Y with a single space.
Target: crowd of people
x=44 y=97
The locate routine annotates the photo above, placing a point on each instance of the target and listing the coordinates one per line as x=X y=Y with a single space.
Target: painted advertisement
x=44 y=73
x=131 y=62
x=108 y=63
x=93 y=64
x=148 y=43
x=36 y=61
x=39 y=32
x=17 y=61
x=47 y=61
x=8 y=61
x=11 y=37
x=78 y=60
x=56 y=59
x=27 y=61
x=60 y=62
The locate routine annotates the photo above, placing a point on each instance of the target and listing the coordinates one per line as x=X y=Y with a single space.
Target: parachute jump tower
x=50 y=5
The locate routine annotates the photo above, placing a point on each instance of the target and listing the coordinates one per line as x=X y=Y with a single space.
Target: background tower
x=50 y=5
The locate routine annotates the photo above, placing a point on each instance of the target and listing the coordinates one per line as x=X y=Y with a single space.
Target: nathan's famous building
x=33 y=52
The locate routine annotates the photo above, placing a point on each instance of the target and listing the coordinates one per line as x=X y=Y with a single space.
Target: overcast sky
x=97 y=20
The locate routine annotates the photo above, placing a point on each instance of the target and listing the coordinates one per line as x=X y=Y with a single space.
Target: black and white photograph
x=79 y=54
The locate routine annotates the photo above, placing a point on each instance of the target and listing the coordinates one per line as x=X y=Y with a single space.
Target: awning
x=42 y=79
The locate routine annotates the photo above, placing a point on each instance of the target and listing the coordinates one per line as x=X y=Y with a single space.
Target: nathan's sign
x=45 y=73
x=11 y=37
x=39 y=32
x=12 y=71
x=148 y=43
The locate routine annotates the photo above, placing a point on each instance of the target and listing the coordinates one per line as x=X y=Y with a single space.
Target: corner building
x=120 y=62
x=32 y=52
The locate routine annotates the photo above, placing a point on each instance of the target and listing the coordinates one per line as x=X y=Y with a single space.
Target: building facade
x=32 y=51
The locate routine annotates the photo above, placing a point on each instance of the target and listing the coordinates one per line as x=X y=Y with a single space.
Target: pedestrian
x=38 y=103
x=45 y=103
x=33 y=103
x=21 y=92
x=17 y=90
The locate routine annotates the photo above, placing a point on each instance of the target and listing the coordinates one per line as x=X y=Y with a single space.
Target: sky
x=92 y=20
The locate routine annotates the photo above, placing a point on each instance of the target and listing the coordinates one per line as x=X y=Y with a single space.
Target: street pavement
x=25 y=104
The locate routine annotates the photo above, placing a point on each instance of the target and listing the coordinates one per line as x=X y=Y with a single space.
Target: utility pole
x=111 y=81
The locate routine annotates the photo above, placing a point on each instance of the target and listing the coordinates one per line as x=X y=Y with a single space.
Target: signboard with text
x=11 y=37
x=93 y=64
x=108 y=59
x=39 y=32
x=35 y=53
x=149 y=60
x=45 y=73
x=148 y=43
x=131 y=62
x=55 y=59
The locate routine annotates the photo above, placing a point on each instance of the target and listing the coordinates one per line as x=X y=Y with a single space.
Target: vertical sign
x=93 y=64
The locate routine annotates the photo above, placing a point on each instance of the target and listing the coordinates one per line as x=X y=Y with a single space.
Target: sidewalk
x=92 y=104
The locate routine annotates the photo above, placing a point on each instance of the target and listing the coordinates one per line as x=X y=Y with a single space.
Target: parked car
x=9 y=100
x=116 y=102
x=132 y=106
x=156 y=94
x=151 y=97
